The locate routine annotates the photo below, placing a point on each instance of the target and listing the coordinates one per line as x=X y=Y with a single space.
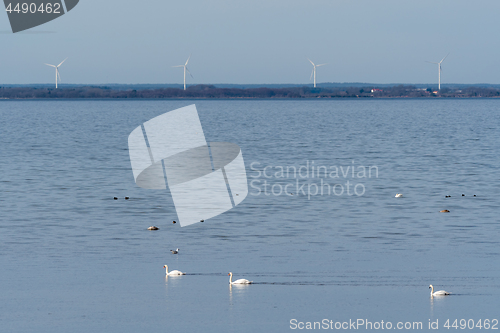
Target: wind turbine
x=57 y=70
x=439 y=70
x=314 y=71
x=185 y=70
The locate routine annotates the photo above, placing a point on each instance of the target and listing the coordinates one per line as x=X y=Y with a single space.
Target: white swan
x=439 y=292
x=240 y=281
x=398 y=195
x=174 y=272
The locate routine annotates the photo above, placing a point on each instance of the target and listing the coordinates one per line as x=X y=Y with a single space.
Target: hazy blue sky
x=232 y=41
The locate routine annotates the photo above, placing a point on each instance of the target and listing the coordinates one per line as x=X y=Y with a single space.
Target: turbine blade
x=59 y=76
x=444 y=58
x=187 y=60
x=50 y=65
x=311 y=75
x=62 y=62
x=311 y=62
x=179 y=66
x=189 y=72
x=321 y=65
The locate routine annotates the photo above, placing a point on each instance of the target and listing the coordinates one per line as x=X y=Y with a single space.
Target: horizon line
x=245 y=84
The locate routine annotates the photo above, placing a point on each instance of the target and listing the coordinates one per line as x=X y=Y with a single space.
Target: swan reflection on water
x=438 y=295
x=174 y=280
x=239 y=289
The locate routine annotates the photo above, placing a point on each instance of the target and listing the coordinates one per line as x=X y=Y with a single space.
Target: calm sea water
x=72 y=259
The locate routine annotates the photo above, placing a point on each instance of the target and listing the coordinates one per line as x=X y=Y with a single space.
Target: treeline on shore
x=210 y=91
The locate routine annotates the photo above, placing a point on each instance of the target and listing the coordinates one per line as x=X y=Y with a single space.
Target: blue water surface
x=72 y=259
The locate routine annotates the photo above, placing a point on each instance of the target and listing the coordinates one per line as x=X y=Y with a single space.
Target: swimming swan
x=439 y=292
x=240 y=281
x=174 y=272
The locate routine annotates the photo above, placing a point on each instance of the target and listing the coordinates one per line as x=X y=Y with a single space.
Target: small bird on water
x=153 y=228
x=174 y=251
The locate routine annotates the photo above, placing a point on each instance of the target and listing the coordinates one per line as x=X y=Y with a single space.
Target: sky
x=258 y=42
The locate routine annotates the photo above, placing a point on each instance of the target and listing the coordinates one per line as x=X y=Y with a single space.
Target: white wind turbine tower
x=185 y=70
x=313 y=73
x=57 y=70
x=439 y=70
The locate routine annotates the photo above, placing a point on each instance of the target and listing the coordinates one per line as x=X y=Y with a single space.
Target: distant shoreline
x=212 y=92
